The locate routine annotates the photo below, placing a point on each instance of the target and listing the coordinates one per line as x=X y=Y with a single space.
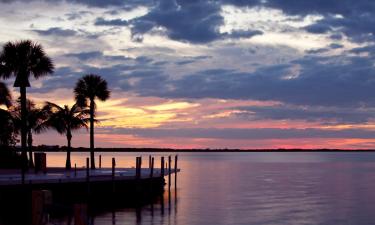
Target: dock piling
x=175 y=170
x=87 y=169
x=162 y=166
x=113 y=167
x=100 y=161
x=149 y=161
x=140 y=167
x=152 y=167
x=169 y=171
x=75 y=169
x=137 y=167
x=113 y=174
x=88 y=176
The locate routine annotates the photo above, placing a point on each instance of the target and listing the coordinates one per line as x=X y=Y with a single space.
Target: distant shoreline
x=197 y=150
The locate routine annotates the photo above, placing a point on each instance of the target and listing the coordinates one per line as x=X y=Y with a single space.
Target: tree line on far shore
x=21 y=117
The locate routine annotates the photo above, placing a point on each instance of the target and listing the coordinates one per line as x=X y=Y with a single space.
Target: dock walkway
x=60 y=175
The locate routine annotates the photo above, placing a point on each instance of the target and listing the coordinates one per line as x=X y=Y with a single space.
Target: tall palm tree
x=64 y=120
x=35 y=118
x=91 y=87
x=21 y=60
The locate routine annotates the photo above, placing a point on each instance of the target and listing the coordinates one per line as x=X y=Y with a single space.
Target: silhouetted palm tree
x=7 y=131
x=5 y=96
x=35 y=118
x=64 y=120
x=21 y=60
x=89 y=88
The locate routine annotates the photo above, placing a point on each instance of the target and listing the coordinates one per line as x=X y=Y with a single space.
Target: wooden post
x=152 y=167
x=88 y=175
x=75 y=169
x=149 y=161
x=113 y=174
x=175 y=170
x=100 y=161
x=162 y=167
x=169 y=171
x=87 y=169
x=113 y=167
x=140 y=167
x=136 y=166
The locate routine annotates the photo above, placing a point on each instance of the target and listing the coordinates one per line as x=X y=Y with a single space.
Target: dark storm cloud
x=192 y=21
x=249 y=134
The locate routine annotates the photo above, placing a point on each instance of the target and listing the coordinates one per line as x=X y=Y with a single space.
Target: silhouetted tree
x=91 y=87
x=5 y=96
x=35 y=118
x=64 y=120
x=21 y=60
x=7 y=132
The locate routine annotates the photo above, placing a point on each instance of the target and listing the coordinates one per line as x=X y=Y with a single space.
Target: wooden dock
x=60 y=175
x=97 y=185
x=57 y=190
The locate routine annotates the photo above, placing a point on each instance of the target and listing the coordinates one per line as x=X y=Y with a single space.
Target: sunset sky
x=209 y=74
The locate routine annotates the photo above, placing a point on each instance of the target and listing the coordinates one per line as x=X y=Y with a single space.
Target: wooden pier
x=97 y=185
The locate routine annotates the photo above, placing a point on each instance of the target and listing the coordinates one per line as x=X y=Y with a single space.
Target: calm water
x=255 y=188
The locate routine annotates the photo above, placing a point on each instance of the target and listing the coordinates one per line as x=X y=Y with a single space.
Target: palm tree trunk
x=92 y=154
x=68 y=165
x=30 y=146
x=23 y=126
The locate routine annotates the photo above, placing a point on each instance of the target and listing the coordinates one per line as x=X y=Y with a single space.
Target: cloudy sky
x=209 y=73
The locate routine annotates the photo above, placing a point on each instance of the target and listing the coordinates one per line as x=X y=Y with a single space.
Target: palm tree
x=89 y=88
x=35 y=118
x=5 y=96
x=7 y=131
x=64 y=120
x=22 y=59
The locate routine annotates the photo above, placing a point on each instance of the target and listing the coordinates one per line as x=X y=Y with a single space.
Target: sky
x=246 y=74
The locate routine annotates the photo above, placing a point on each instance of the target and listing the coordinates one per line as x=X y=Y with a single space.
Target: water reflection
x=161 y=211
